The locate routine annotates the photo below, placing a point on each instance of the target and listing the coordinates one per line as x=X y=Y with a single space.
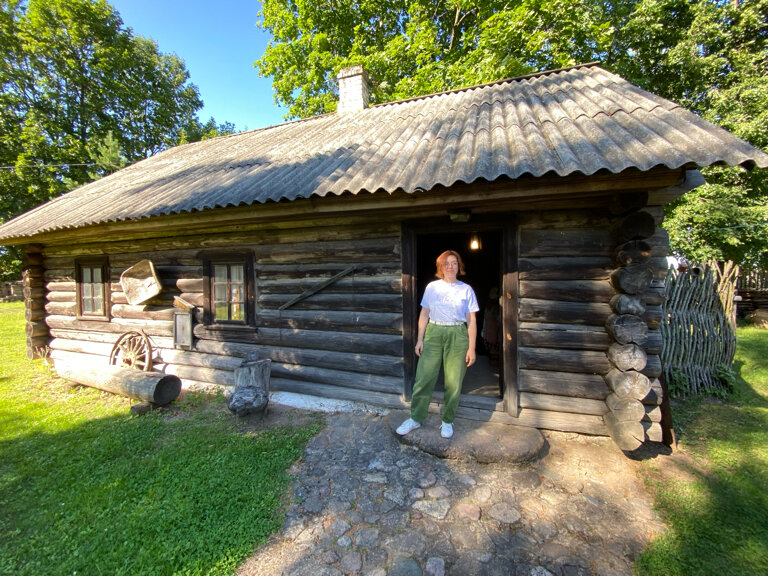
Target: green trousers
x=446 y=345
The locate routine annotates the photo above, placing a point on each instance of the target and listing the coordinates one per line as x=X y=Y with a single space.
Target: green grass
x=716 y=503
x=86 y=488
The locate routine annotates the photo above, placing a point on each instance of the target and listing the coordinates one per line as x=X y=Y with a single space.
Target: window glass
x=229 y=293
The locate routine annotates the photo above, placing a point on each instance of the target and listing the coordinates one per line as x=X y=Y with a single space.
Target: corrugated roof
x=578 y=120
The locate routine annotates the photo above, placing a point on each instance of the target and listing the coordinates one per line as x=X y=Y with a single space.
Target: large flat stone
x=473 y=440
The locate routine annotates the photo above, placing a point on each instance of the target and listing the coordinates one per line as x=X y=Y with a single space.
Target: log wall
x=566 y=301
x=344 y=342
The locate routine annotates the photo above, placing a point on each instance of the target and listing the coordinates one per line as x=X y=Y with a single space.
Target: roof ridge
x=541 y=73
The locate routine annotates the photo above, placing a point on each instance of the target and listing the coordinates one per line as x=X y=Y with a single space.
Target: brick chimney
x=353 y=90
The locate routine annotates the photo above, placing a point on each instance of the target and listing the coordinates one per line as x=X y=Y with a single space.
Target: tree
x=195 y=131
x=708 y=55
x=79 y=93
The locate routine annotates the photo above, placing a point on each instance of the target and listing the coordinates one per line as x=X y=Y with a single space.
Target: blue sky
x=219 y=41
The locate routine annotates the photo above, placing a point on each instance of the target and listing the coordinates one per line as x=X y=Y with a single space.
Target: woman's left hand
x=471 y=357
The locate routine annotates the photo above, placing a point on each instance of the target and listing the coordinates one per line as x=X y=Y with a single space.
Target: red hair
x=443 y=258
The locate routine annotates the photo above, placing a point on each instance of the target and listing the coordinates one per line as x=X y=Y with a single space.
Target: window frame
x=101 y=263
x=228 y=258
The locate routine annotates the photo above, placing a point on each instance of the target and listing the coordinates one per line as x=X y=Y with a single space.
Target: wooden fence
x=752 y=287
x=698 y=327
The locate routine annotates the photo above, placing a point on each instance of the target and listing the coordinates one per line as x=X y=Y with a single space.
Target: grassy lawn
x=713 y=491
x=86 y=488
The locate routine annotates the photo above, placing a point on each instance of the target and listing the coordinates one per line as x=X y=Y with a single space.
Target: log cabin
x=309 y=244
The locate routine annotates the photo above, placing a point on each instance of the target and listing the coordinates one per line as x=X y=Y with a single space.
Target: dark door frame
x=509 y=293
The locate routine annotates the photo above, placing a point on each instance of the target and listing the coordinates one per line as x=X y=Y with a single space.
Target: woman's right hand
x=419 y=348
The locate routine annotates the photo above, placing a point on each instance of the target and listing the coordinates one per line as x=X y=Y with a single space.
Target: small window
x=229 y=289
x=92 y=289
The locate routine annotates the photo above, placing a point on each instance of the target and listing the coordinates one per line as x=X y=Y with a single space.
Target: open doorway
x=484 y=274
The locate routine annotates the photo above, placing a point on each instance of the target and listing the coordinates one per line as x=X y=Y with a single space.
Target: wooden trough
x=154 y=387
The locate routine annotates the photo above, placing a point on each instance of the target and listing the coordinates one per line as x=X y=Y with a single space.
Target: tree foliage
x=75 y=79
x=708 y=55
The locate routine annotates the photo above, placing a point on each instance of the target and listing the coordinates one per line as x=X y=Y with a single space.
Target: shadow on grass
x=151 y=495
x=718 y=525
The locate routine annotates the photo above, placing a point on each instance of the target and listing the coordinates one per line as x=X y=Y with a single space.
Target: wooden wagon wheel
x=132 y=350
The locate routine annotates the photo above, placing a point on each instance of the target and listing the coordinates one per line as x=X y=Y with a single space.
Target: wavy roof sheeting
x=578 y=120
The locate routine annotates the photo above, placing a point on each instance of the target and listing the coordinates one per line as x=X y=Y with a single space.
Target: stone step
x=483 y=442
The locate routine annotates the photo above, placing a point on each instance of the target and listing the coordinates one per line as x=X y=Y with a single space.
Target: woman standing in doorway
x=447 y=337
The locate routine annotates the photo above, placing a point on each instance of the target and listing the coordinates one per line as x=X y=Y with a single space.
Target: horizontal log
x=581 y=361
x=652 y=414
x=36 y=329
x=627 y=329
x=61 y=296
x=627 y=435
x=337 y=393
x=655 y=295
x=568 y=336
x=379 y=249
x=562 y=403
x=652 y=317
x=565 y=268
x=653 y=431
x=633 y=278
x=655 y=394
x=142 y=312
x=654 y=342
x=563 y=384
x=154 y=387
x=61 y=286
x=202 y=360
x=104 y=337
x=562 y=421
x=37 y=347
x=634 y=251
x=59 y=275
x=349 y=362
x=653 y=366
x=271 y=272
x=374 y=382
x=82 y=346
x=628 y=384
x=342 y=321
x=61 y=308
x=34 y=315
x=627 y=356
x=567 y=290
x=565 y=242
x=34 y=304
x=621 y=204
x=115 y=326
x=324 y=301
x=552 y=311
x=211 y=375
x=626 y=304
x=34 y=293
x=384 y=344
x=635 y=226
x=352 y=284
x=625 y=408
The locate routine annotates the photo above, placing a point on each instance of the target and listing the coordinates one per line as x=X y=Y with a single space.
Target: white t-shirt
x=449 y=302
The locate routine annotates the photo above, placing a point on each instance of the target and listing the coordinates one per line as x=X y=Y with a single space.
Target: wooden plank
x=567 y=290
x=566 y=242
x=337 y=393
x=567 y=336
x=553 y=311
x=563 y=421
x=339 y=321
x=348 y=361
x=565 y=268
x=116 y=325
x=548 y=359
x=314 y=289
x=562 y=404
x=563 y=384
x=360 y=302
x=339 y=378
x=384 y=284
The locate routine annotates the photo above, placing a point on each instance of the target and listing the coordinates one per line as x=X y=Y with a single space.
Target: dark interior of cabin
x=483 y=267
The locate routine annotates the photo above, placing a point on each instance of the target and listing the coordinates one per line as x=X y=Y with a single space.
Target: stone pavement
x=366 y=504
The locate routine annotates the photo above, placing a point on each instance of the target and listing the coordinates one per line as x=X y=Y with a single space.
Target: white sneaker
x=407 y=426
x=446 y=430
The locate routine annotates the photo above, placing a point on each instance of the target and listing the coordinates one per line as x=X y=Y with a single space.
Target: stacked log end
x=635 y=393
x=34 y=301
